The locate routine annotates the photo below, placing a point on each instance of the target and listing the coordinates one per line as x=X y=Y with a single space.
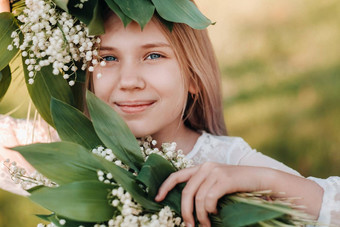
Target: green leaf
x=35 y=188
x=168 y=24
x=86 y=13
x=128 y=181
x=90 y=14
x=62 y=4
x=140 y=11
x=80 y=74
x=181 y=11
x=45 y=217
x=115 y=8
x=215 y=220
x=153 y=173
x=114 y=132
x=80 y=201
x=96 y=25
x=69 y=223
x=241 y=214
x=78 y=91
x=72 y=125
x=7 y=26
x=44 y=87
x=61 y=162
x=5 y=81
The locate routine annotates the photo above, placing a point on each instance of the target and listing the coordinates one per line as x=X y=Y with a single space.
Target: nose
x=131 y=77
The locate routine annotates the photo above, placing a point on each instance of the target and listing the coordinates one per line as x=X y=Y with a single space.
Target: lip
x=133 y=107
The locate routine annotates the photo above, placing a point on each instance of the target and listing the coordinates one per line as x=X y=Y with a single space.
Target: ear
x=193 y=88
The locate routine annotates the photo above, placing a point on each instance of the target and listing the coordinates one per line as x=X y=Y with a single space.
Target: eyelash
x=110 y=58
x=153 y=54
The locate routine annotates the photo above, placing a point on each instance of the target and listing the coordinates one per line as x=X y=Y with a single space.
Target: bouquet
x=99 y=175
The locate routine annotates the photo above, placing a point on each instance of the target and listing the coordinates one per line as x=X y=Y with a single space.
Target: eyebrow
x=106 y=48
x=145 y=46
x=160 y=44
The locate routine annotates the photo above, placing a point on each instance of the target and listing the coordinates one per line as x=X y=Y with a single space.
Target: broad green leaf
x=61 y=162
x=128 y=181
x=114 y=132
x=90 y=14
x=7 y=26
x=5 y=80
x=72 y=125
x=241 y=214
x=78 y=91
x=153 y=173
x=45 y=217
x=62 y=4
x=54 y=218
x=168 y=24
x=181 y=11
x=81 y=76
x=140 y=11
x=84 y=201
x=96 y=25
x=215 y=220
x=115 y=8
x=86 y=13
x=44 y=87
x=35 y=188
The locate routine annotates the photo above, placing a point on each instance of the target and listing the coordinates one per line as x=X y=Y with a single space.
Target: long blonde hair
x=195 y=54
x=198 y=63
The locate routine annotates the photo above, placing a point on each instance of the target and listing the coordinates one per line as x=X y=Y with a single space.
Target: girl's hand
x=206 y=184
x=8 y=139
x=4 y=6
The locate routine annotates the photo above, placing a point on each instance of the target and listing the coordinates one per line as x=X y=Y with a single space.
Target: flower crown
x=58 y=40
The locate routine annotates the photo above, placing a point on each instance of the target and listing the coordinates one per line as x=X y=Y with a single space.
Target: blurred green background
x=280 y=62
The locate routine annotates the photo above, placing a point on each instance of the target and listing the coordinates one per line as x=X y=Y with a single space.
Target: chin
x=139 y=132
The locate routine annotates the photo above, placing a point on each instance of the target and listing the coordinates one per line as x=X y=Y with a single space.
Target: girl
x=167 y=84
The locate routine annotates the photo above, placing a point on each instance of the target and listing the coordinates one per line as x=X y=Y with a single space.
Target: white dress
x=221 y=149
x=235 y=151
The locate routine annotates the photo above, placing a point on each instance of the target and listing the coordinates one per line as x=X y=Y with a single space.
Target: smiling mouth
x=134 y=107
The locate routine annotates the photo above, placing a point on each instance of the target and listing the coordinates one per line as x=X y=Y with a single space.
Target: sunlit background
x=280 y=62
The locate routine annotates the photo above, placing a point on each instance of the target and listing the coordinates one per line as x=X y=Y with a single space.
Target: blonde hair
x=196 y=57
x=199 y=66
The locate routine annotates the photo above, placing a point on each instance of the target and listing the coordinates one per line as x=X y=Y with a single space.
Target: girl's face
x=142 y=79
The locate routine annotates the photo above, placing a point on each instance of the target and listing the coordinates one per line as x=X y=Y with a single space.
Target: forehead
x=115 y=32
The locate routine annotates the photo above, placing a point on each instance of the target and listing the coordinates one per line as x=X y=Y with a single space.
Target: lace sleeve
x=232 y=151
x=250 y=157
x=16 y=132
x=24 y=132
x=330 y=208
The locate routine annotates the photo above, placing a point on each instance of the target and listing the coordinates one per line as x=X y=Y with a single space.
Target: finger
x=4 y=6
x=217 y=190
x=200 y=200
x=190 y=190
x=174 y=179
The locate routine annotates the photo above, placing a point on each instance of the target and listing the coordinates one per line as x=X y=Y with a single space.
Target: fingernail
x=188 y=225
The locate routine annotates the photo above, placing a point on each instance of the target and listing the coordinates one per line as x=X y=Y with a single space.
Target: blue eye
x=153 y=56
x=110 y=58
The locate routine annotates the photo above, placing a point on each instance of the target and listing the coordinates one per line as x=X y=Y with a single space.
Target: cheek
x=173 y=90
x=104 y=85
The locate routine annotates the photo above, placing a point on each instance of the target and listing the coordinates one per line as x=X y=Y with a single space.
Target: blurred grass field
x=280 y=62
